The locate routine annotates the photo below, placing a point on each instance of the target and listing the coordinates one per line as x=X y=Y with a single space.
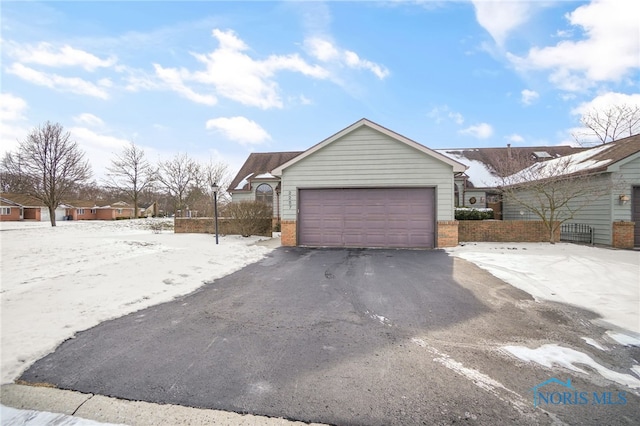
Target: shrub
x=464 y=213
x=249 y=218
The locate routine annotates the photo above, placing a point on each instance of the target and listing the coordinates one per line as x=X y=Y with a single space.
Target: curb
x=117 y=411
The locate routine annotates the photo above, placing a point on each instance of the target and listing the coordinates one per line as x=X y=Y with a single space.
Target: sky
x=218 y=80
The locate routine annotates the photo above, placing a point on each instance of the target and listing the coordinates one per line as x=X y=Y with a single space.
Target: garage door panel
x=371 y=217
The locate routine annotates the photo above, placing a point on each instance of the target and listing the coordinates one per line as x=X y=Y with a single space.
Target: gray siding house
x=365 y=186
x=614 y=171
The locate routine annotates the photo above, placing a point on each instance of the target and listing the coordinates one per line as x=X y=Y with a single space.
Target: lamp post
x=215 y=188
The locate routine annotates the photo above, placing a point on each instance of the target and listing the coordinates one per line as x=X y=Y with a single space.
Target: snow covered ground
x=603 y=280
x=58 y=281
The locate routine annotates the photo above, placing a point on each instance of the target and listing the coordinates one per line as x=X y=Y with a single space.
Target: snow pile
x=602 y=280
x=554 y=355
x=58 y=281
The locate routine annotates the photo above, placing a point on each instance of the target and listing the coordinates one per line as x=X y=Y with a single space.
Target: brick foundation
x=447 y=233
x=505 y=231
x=289 y=233
x=623 y=235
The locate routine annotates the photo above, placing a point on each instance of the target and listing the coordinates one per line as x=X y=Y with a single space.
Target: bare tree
x=131 y=173
x=610 y=124
x=554 y=191
x=179 y=176
x=49 y=165
x=201 y=195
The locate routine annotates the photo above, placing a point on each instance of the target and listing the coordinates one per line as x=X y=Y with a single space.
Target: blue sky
x=219 y=80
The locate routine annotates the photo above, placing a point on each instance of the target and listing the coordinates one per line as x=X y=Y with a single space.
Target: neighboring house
x=26 y=207
x=615 y=168
x=478 y=185
x=81 y=210
x=9 y=211
x=118 y=210
x=365 y=186
x=89 y=210
x=150 y=211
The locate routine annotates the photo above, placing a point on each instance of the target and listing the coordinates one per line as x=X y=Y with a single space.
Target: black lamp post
x=215 y=188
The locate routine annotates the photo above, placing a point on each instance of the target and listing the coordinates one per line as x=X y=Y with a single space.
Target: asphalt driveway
x=343 y=336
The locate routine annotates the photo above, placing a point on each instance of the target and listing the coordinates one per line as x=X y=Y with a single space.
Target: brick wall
x=447 y=233
x=623 y=235
x=14 y=214
x=289 y=233
x=513 y=231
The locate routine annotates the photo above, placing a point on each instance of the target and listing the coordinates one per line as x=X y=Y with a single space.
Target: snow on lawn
x=603 y=280
x=58 y=281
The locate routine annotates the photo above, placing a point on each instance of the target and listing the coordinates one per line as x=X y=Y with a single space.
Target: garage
x=367 y=217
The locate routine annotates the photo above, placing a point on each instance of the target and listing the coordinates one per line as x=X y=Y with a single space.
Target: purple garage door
x=367 y=217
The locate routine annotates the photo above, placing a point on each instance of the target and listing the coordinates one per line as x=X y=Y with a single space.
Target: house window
x=264 y=193
x=6 y=211
x=456 y=194
x=93 y=211
x=80 y=211
x=119 y=211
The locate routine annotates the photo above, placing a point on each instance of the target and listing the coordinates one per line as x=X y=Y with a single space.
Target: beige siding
x=368 y=158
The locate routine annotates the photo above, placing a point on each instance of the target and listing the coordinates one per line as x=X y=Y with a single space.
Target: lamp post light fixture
x=214 y=188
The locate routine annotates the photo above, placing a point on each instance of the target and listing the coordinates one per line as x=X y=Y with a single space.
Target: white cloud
x=602 y=102
x=609 y=51
x=239 y=129
x=515 y=138
x=88 y=119
x=12 y=107
x=324 y=50
x=321 y=49
x=480 y=131
x=65 y=56
x=439 y=114
x=499 y=18
x=174 y=80
x=607 y=100
x=529 y=96
x=233 y=74
x=57 y=82
x=12 y=130
x=99 y=148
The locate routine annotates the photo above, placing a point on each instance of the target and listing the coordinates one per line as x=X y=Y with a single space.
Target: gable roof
x=482 y=163
x=259 y=163
x=22 y=200
x=602 y=158
x=457 y=166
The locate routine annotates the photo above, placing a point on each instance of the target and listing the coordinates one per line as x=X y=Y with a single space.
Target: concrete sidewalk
x=117 y=411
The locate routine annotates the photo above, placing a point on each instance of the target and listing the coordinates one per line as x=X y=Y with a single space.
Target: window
x=264 y=193
x=456 y=194
x=93 y=211
x=119 y=211
x=6 y=211
x=80 y=211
